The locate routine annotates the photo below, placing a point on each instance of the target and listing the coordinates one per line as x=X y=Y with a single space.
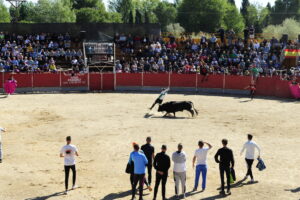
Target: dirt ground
x=103 y=126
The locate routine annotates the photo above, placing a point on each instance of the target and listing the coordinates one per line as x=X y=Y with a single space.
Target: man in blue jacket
x=140 y=162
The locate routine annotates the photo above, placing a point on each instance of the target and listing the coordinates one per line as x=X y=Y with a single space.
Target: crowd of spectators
x=207 y=55
x=39 y=52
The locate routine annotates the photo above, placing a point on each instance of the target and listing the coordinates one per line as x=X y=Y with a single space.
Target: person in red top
x=252 y=87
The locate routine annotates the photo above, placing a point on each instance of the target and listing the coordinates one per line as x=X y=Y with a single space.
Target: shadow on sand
x=294 y=190
x=3 y=96
x=47 y=197
x=120 y=195
x=149 y=116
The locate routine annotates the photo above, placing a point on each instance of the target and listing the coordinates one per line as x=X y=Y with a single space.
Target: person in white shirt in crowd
x=250 y=147
x=179 y=159
x=68 y=152
x=1 y=152
x=201 y=167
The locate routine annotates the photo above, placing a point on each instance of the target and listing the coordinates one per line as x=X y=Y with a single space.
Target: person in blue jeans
x=201 y=167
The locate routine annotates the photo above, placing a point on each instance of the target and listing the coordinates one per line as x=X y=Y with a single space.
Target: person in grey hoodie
x=179 y=159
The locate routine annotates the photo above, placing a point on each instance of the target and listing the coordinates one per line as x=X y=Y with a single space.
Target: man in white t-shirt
x=201 y=167
x=250 y=147
x=68 y=152
x=1 y=156
x=179 y=159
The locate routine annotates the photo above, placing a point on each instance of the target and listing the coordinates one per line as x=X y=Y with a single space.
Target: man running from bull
x=161 y=97
x=252 y=88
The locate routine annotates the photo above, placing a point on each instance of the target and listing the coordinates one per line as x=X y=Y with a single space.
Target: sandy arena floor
x=103 y=126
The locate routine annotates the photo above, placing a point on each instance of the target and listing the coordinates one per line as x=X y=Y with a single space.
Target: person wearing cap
x=179 y=159
x=68 y=152
x=148 y=150
x=1 y=152
x=140 y=162
x=161 y=164
x=250 y=147
x=224 y=157
x=201 y=167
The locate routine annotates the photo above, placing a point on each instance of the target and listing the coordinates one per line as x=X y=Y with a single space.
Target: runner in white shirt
x=201 y=155
x=68 y=152
x=250 y=147
x=161 y=97
x=179 y=159
x=1 y=152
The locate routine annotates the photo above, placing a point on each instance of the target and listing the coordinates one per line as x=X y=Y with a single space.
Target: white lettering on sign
x=74 y=80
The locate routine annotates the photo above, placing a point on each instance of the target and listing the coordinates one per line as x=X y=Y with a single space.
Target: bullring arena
x=103 y=126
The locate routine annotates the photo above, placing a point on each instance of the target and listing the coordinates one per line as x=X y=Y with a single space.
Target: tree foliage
x=4 y=14
x=166 y=13
x=48 y=11
x=78 y=4
x=244 y=8
x=201 y=15
x=233 y=19
x=289 y=26
x=124 y=7
x=284 y=9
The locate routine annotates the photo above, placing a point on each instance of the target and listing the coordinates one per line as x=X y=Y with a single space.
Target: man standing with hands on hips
x=250 y=147
x=68 y=152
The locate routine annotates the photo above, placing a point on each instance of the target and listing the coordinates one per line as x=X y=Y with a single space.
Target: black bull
x=177 y=106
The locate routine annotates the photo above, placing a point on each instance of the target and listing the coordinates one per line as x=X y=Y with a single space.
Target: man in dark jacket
x=148 y=150
x=224 y=157
x=161 y=164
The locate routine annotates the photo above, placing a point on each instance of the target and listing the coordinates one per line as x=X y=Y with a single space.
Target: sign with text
x=74 y=80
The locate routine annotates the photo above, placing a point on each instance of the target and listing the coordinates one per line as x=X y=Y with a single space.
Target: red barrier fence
x=266 y=86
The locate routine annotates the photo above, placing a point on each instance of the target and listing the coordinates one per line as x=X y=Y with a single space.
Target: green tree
x=53 y=11
x=138 y=17
x=289 y=26
x=252 y=15
x=124 y=7
x=78 y=4
x=113 y=17
x=148 y=8
x=4 y=14
x=284 y=9
x=233 y=19
x=201 y=15
x=257 y=16
x=166 y=13
x=89 y=15
x=232 y=2
x=244 y=10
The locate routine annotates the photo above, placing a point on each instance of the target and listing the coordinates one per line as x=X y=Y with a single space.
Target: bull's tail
x=196 y=111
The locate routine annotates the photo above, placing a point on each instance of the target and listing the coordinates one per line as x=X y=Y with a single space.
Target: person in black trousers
x=162 y=164
x=224 y=157
x=148 y=150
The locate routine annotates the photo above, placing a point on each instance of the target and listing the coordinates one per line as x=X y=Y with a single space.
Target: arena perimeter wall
x=229 y=84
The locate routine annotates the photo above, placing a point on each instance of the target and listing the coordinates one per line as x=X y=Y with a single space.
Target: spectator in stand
x=52 y=66
x=16 y=50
